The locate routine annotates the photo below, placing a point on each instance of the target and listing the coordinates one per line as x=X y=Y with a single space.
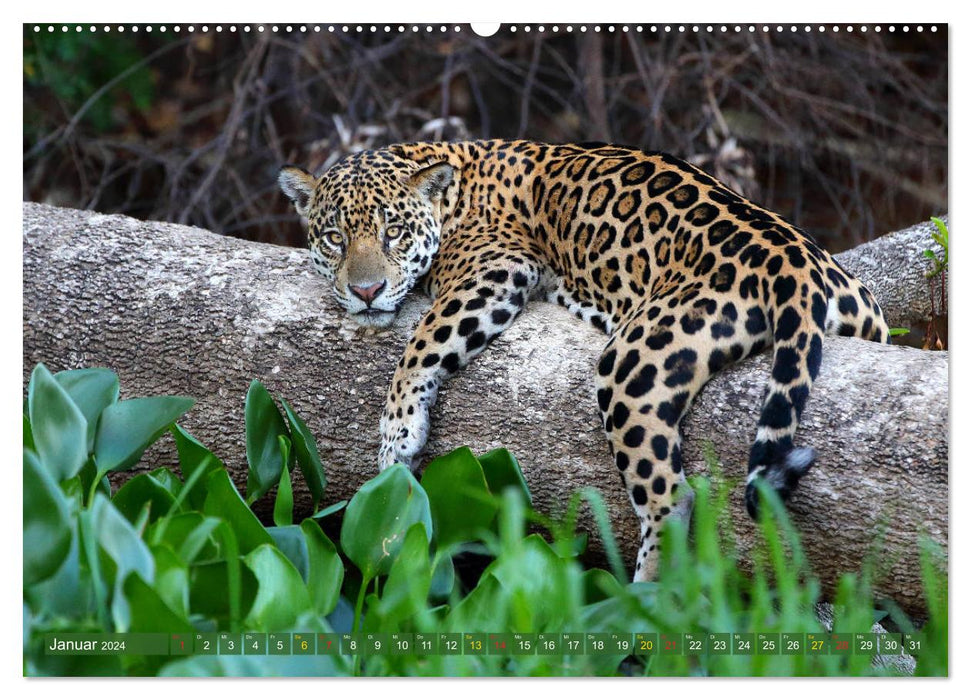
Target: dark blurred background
x=845 y=134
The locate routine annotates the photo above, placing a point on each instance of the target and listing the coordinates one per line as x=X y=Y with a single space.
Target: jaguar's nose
x=368 y=293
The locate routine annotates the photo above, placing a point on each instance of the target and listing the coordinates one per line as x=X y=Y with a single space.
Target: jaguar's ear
x=298 y=185
x=433 y=180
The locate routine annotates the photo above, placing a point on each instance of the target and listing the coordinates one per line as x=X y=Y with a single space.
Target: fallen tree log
x=894 y=268
x=179 y=310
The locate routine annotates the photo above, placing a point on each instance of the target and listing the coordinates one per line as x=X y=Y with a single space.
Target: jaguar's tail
x=801 y=313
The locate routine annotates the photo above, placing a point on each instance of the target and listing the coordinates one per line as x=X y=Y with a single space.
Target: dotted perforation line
x=258 y=28
x=721 y=28
x=443 y=28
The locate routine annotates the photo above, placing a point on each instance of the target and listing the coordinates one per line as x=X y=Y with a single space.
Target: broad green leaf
x=167 y=479
x=502 y=470
x=47 y=523
x=129 y=427
x=378 y=517
x=58 y=427
x=149 y=611
x=600 y=584
x=326 y=568
x=478 y=611
x=28 y=435
x=236 y=573
x=87 y=475
x=329 y=510
x=194 y=457
x=342 y=618
x=171 y=579
x=139 y=491
x=406 y=590
x=124 y=547
x=283 y=505
x=282 y=595
x=290 y=540
x=73 y=490
x=198 y=542
x=459 y=496
x=68 y=593
x=190 y=535
x=443 y=577
x=91 y=560
x=263 y=424
x=92 y=390
x=223 y=501
x=210 y=587
x=120 y=541
x=541 y=586
x=308 y=458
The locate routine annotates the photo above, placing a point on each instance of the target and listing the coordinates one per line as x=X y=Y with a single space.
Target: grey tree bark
x=179 y=310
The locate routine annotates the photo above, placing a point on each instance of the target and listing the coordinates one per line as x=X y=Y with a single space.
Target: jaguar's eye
x=333 y=238
x=394 y=232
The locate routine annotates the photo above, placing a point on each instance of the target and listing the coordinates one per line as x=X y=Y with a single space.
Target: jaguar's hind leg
x=648 y=374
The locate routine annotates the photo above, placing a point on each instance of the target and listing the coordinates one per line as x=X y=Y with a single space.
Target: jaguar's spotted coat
x=684 y=276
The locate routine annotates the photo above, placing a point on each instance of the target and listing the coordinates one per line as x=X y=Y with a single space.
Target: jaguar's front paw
x=402 y=439
x=389 y=455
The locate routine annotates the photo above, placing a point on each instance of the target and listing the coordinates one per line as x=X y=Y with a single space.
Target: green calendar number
x=671 y=644
x=476 y=644
x=206 y=644
x=913 y=644
x=792 y=643
x=278 y=644
x=573 y=643
x=500 y=644
x=401 y=643
x=645 y=643
x=719 y=644
x=695 y=644
x=549 y=645
x=376 y=643
x=450 y=643
x=598 y=644
x=180 y=644
x=621 y=643
x=889 y=644
x=743 y=643
x=817 y=643
x=254 y=644
x=865 y=644
x=522 y=644
x=767 y=644
x=230 y=644
x=426 y=643
x=303 y=643
x=328 y=643
x=352 y=644
x=840 y=643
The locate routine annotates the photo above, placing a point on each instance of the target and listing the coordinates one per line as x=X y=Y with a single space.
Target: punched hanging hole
x=485 y=29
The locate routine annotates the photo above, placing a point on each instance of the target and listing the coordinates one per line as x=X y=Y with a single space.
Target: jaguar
x=682 y=274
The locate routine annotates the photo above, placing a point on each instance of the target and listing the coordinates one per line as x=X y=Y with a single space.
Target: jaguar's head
x=374 y=221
